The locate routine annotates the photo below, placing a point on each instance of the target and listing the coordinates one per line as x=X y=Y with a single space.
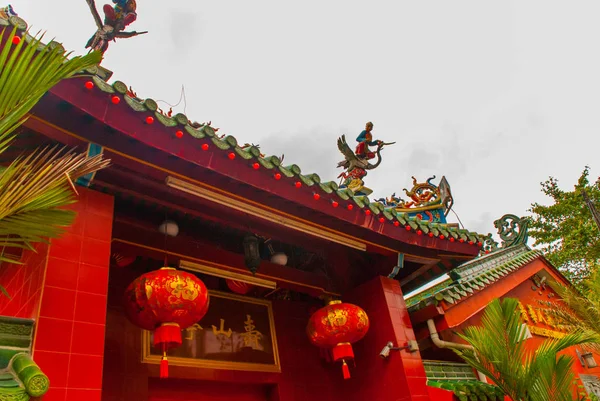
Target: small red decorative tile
x=55 y=394
x=53 y=335
x=62 y=273
x=67 y=247
x=88 y=338
x=99 y=203
x=93 y=279
x=55 y=365
x=90 y=308
x=85 y=371
x=83 y=395
x=58 y=303
x=95 y=252
x=97 y=227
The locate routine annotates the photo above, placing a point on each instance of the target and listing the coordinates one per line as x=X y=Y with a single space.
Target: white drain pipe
x=435 y=338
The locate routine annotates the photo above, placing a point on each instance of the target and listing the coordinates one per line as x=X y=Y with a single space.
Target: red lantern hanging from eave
x=166 y=301
x=239 y=287
x=336 y=327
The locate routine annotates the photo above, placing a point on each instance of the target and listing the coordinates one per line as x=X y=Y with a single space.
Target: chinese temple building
x=268 y=246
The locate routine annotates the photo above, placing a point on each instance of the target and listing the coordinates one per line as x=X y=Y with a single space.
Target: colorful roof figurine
x=427 y=201
x=479 y=273
x=357 y=163
x=116 y=18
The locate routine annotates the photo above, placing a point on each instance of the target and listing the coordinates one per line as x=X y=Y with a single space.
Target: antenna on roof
x=458 y=218
x=181 y=97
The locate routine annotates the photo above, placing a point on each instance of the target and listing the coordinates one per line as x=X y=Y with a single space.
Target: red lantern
x=166 y=301
x=239 y=287
x=336 y=327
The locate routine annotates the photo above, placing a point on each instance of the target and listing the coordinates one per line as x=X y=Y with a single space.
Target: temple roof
x=474 y=276
x=479 y=273
x=179 y=127
x=183 y=126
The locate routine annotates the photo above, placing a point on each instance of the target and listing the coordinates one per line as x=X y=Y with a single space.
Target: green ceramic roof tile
x=166 y=121
x=134 y=104
x=476 y=274
x=196 y=133
x=104 y=87
x=244 y=154
x=266 y=163
x=361 y=201
x=315 y=177
x=306 y=180
x=294 y=168
x=220 y=144
x=286 y=172
x=326 y=188
x=274 y=160
x=342 y=194
x=374 y=208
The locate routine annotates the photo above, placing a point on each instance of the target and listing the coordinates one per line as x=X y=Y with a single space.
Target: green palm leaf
x=499 y=352
x=35 y=188
x=27 y=73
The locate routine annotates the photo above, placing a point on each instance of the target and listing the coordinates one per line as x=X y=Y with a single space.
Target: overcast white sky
x=495 y=95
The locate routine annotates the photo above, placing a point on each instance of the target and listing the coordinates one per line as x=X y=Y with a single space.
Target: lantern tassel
x=345 y=370
x=164 y=367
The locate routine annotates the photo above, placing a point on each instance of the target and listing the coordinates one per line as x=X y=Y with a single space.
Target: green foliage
x=566 y=230
x=579 y=309
x=34 y=188
x=499 y=352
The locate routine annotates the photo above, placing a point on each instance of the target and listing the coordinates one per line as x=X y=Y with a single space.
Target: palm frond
x=579 y=310
x=499 y=352
x=33 y=190
x=27 y=71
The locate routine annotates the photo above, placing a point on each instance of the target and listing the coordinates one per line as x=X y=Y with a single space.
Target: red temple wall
x=69 y=338
x=23 y=282
x=401 y=376
x=303 y=375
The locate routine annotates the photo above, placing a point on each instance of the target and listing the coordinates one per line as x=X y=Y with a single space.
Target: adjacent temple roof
x=479 y=273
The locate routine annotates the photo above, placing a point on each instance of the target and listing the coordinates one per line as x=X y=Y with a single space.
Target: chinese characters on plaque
x=236 y=333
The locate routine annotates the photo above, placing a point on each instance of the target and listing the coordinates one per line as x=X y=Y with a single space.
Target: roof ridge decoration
x=357 y=163
x=428 y=201
x=512 y=230
x=495 y=262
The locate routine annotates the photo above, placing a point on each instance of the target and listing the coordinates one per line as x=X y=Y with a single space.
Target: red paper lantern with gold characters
x=166 y=301
x=336 y=327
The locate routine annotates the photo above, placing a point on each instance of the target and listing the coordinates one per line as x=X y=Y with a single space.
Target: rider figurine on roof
x=364 y=140
x=123 y=11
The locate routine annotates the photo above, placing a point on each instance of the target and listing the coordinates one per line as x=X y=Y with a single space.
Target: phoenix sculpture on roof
x=116 y=18
x=356 y=163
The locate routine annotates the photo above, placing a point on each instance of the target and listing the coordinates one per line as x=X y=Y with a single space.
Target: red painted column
x=69 y=338
x=400 y=377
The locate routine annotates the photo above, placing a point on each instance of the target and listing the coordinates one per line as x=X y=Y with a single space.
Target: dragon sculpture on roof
x=356 y=163
x=427 y=201
x=116 y=19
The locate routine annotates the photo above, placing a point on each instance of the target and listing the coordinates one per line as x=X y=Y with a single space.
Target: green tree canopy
x=566 y=230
